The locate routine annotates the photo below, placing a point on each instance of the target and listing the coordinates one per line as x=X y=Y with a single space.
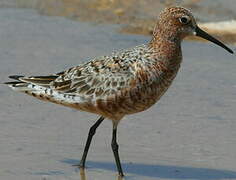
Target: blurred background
x=138 y=16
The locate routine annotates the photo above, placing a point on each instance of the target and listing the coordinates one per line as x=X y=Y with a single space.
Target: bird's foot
x=80 y=166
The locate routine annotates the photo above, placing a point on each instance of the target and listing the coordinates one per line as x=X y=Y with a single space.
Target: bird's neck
x=166 y=50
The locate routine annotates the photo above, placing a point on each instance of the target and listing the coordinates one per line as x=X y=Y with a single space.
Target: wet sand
x=189 y=134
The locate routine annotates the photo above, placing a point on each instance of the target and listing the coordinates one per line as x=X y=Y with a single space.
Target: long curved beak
x=208 y=37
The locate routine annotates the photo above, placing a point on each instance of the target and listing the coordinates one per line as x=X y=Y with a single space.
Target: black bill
x=208 y=37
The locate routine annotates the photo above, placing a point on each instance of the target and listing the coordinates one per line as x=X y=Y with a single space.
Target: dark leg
x=115 y=148
x=92 y=131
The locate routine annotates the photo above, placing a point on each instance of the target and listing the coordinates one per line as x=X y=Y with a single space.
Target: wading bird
x=122 y=83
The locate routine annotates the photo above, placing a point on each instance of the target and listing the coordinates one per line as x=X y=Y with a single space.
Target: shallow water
x=189 y=134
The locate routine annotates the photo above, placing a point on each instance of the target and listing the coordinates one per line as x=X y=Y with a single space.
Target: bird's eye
x=184 y=19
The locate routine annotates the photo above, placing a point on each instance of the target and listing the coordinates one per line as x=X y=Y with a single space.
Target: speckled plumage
x=124 y=82
x=113 y=86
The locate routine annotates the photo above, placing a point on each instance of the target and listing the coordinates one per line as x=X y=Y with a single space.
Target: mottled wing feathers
x=98 y=79
x=111 y=86
x=95 y=79
x=102 y=76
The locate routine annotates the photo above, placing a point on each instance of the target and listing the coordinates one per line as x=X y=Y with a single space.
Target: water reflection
x=83 y=175
x=161 y=171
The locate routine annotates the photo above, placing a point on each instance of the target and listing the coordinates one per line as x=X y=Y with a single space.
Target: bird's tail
x=24 y=83
x=39 y=87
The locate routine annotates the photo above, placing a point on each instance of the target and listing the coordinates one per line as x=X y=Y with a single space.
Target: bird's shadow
x=162 y=171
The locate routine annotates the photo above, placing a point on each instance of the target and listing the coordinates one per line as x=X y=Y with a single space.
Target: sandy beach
x=189 y=134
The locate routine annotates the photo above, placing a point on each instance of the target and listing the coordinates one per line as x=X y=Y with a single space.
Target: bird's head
x=175 y=23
